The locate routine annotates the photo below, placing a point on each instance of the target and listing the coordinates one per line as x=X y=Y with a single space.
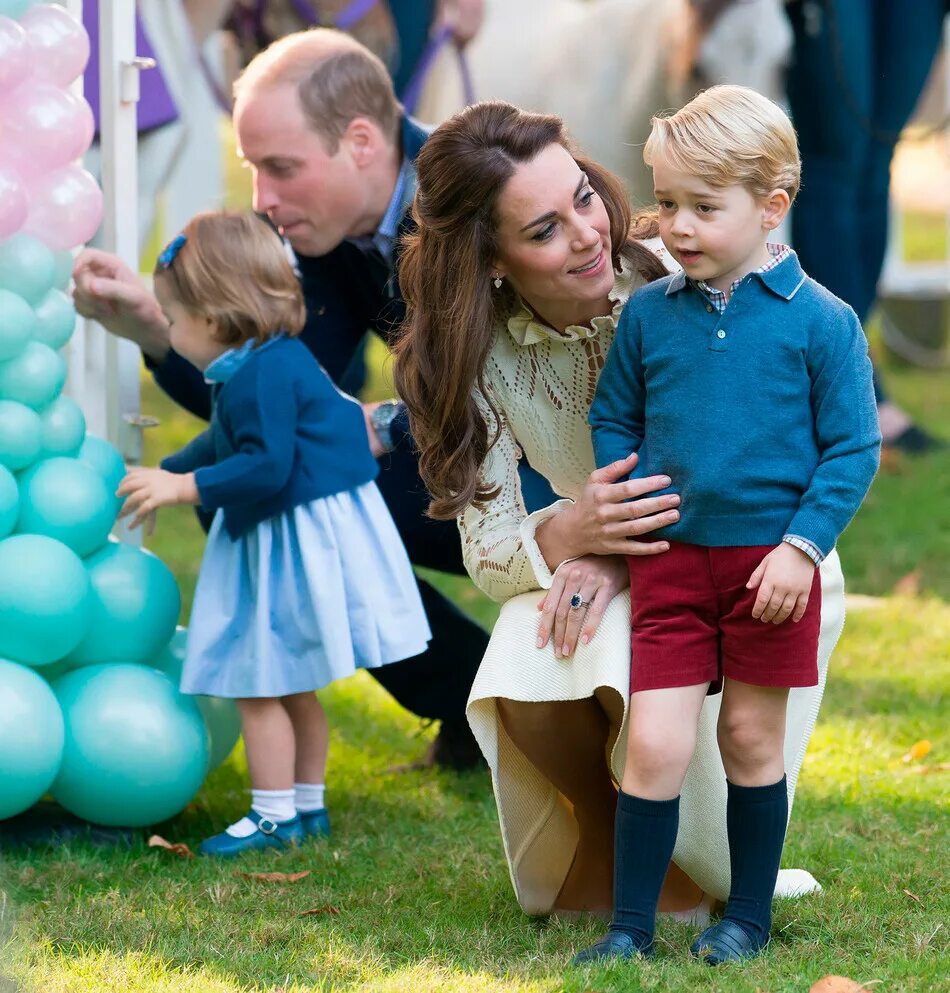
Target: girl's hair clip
x=170 y=251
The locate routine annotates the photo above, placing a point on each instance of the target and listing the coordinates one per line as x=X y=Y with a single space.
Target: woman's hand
x=109 y=292
x=146 y=490
x=464 y=17
x=608 y=514
x=597 y=579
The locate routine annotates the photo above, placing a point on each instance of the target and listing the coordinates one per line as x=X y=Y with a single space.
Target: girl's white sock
x=309 y=796
x=275 y=805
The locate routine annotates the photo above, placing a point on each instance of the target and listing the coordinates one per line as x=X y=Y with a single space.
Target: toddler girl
x=304 y=578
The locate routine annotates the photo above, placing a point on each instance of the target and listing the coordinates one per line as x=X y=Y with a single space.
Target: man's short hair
x=730 y=135
x=337 y=80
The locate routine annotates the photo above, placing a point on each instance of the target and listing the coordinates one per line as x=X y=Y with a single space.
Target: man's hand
x=464 y=17
x=375 y=444
x=109 y=292
x=784 y=579
x=146 y=490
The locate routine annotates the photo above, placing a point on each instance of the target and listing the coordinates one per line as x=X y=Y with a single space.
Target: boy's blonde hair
x=232 y=268
x=730 y=135
x=337 y=80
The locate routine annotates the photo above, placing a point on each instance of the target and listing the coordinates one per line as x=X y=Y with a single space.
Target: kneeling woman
x=523 y=259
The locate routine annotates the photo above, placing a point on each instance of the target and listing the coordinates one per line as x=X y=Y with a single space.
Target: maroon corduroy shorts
x=692 y=622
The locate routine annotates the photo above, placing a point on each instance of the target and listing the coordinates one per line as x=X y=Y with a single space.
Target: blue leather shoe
x=613 y=945
x=315 y=822
x=726 y=941
x=269 y=834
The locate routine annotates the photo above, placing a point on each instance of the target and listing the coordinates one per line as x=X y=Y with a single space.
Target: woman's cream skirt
x=537 y=826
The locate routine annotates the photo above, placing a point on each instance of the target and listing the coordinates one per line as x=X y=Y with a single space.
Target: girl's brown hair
x=445 y=275
x=233 y=268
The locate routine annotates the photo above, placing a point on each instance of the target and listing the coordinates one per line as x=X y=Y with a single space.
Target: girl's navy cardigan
x=281 y=435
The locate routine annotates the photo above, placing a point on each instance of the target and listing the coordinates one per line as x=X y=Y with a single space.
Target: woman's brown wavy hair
x=445 y=274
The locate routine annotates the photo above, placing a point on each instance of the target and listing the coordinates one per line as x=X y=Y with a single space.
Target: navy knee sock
x=643 y=846
x=756 y=817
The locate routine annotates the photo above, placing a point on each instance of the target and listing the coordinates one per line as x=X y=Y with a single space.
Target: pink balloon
x=65 y=208
x=59 y=43
x=14 y=203
x=14 y=54
x=43 y=127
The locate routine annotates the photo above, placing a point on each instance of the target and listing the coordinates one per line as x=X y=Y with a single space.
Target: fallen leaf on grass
x=274 y=877
x=837 y=984
x=328 y=909
x=908 y=585
x=913 y=896
x=926 y=770
x=180 y=849
x=918 y=750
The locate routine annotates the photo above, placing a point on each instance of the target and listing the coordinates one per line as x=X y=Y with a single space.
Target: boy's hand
x=146 y=490
x=784 y=579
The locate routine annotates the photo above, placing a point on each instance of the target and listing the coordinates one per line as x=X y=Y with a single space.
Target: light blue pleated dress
x=303 y=599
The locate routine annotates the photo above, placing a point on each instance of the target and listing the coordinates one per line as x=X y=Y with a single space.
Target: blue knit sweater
x=763 y=417
x=281 y=435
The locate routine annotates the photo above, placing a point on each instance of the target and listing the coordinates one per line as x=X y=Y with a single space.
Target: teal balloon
x=34 y=377
x=54 y=670
x=67 y=500
x=134 y=607
x=15 y=8
x=45 y=597
x=55 y=319
x=21 y=435
x=62 y=269
x=135 y=750
x=17 y=323
x=221 y=716
x=105 y=459
x=64 y=427
x=31 y=738
x=27 y=267
x=9 y=501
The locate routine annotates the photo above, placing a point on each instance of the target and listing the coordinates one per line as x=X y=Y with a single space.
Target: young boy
x=749 y=385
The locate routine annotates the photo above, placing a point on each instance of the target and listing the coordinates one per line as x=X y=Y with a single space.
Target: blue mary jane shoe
x=726 y=941
x=315 y=822
x=613 y=945
x=269 y=834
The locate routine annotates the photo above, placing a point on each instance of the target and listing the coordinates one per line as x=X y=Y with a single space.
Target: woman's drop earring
x=497 y=282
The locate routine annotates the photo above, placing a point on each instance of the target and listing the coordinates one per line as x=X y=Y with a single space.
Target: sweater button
x=721 y=333
x=709 y=308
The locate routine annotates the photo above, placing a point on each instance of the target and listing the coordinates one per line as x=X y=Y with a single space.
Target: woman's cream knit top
x=542 y=383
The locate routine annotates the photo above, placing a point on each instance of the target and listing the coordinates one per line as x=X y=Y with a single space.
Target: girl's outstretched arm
x=145 y=490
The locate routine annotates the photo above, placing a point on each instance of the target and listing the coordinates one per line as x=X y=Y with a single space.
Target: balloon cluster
x=89 y=654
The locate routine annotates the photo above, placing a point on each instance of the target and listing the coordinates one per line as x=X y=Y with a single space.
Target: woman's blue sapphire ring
x=577 y=601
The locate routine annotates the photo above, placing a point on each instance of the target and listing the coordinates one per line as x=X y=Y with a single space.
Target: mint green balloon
x=44 y=599
x=135 y=750
x=31 y=738
x=62 y=269
x=105 y=459
x=64 y=427
x=134 y=608
x=35 y=377
x=15 y=8
x=21 y=435
x=220 y=714
x=54 y=670
x=27 y=266
x=17 y=323
x=55 y=319
x=9 y=501
x=67 y=500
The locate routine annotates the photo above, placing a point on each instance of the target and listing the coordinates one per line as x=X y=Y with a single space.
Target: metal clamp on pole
x=129 y=90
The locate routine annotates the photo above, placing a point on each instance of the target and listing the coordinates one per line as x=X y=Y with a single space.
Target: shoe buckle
x=266 y=826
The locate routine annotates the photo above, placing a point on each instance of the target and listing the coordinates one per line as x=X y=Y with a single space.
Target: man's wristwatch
x=382 y=418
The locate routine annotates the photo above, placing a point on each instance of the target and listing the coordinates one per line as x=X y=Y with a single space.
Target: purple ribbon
x=413 y=90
